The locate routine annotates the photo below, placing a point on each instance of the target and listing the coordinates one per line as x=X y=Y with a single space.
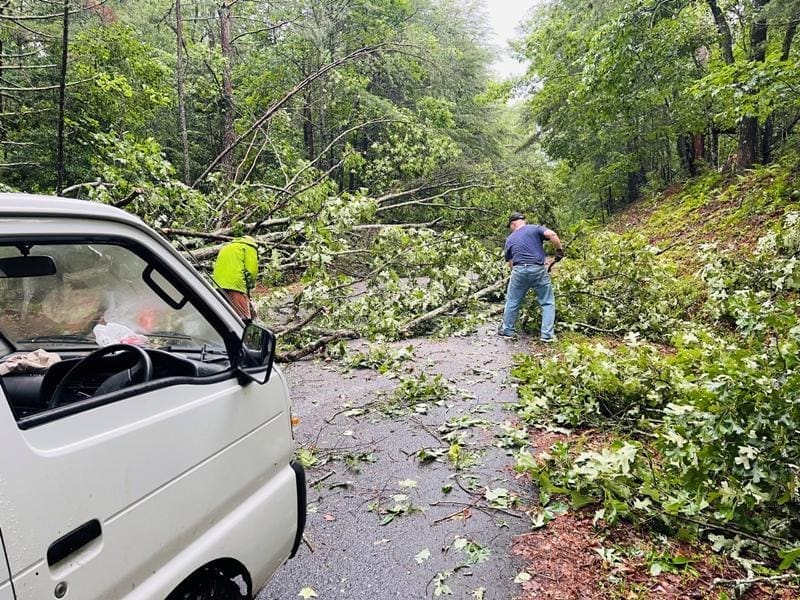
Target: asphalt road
x=366 y=459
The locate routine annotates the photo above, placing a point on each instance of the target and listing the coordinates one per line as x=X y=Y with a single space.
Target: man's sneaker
x=502 y=333
x=547 y=340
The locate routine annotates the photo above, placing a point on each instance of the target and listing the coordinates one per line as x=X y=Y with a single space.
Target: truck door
x=6 y=591
x=6 y=587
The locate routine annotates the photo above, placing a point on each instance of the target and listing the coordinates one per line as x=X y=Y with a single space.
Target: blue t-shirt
x=524 y=246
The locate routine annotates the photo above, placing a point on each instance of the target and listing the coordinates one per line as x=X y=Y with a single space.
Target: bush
x=706 y=428
x=617 y=283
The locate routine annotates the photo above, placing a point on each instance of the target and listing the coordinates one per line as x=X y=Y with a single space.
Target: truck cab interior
x=85 y=320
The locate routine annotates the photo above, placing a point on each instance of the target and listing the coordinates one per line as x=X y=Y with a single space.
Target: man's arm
x=507 y=255
x=251 y=267
x=552 y=237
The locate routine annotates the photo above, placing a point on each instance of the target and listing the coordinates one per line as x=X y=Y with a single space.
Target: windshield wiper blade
x=207 y=353
x=208 y=349
x=169 y=334
x=81 y=339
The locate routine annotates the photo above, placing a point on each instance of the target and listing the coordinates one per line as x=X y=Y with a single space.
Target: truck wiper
x=53 y=339
x=207 y=353
x=173 y=335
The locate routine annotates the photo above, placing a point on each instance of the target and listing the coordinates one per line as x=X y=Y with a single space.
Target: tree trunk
x=750 y=137
x=766 y=140
x=180 y=74
x=228 y=134
x=699 y=146
x=62 y=100
x=668 y=146
x=308 y=126
x=749 y=133
x=724 y=29
x=714 y=148
x=686 y=153
x=636 y=179
x=791 y=31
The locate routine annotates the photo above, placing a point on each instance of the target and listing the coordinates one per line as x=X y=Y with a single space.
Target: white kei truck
x=145 y=436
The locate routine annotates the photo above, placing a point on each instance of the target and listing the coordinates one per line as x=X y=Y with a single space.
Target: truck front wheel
x=209 y=584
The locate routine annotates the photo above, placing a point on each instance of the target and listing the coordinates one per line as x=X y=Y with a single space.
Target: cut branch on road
x=498 y=285
x=309 y=349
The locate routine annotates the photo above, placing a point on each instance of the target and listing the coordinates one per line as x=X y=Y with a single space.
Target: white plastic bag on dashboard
x=114 y=333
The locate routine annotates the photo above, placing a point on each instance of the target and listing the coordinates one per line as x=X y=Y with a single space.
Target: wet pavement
x=446 y=534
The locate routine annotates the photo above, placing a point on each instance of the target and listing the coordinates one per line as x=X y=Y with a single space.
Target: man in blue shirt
x=524 y=252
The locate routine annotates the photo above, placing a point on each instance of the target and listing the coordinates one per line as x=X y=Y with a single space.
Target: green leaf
x=522 y=577
x=579 y=500
x=788 y=558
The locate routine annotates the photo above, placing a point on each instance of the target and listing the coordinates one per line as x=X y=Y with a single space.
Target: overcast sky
x=505 y=16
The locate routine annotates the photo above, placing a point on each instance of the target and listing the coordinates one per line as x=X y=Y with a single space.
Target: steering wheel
x=140 y=372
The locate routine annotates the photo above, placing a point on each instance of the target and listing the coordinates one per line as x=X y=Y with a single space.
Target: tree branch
x=135 y=193
x=286 y=330
x=334 y=336
x=44 y=88
x=169 y=231
x=453 y=304
x=399 y=225
x=427 y=200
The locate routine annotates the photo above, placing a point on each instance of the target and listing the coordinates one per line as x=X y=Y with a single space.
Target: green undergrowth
x=619 y=283
x=730 y=209
x=691 y=392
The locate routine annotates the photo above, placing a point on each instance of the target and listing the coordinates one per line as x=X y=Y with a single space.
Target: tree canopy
x=635 y=93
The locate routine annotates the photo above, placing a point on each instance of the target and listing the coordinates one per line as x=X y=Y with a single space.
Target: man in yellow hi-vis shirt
x=236 y=272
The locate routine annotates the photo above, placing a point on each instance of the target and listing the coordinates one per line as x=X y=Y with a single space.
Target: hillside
x=730 y=210
x=676 y=394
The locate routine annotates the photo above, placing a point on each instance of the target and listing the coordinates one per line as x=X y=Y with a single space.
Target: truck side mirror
x=257 y=351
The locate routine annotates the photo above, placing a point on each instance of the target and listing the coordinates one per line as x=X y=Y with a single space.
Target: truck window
x=101 y=294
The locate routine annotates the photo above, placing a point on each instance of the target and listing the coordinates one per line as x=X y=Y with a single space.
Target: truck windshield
x=99 y=294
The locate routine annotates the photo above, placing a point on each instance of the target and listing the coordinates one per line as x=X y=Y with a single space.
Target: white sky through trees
x=505 y=17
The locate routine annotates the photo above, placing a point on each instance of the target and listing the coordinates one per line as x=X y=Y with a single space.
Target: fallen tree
x=453 y=305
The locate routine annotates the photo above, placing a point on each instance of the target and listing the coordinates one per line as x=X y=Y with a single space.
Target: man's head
x=515 y=221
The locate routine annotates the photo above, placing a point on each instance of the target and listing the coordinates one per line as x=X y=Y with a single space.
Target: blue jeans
x=523 y=278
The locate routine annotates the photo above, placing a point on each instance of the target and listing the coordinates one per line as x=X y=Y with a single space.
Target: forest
x=374 y=156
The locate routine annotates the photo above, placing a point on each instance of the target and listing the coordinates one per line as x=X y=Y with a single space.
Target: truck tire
x=209 y=584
